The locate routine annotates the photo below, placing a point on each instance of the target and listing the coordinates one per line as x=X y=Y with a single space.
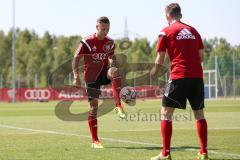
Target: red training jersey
x=96 y=54
x=182 y=43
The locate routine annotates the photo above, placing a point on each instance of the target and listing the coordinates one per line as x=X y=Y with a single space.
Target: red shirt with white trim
x=182 y=43
x=96 y=54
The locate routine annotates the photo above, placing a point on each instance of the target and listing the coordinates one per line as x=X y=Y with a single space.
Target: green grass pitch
x=31 y=131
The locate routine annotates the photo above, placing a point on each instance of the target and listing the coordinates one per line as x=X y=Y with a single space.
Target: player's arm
x=159 y=63
x=75 y=66
x=161 y=52
x=200 y=45
x=112 y=61
x=201 y=54
x=112 y=58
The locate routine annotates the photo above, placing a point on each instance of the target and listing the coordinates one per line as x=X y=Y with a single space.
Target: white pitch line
x=106 y=139
x=43 y=131
x=146 y=130
x=24 y=133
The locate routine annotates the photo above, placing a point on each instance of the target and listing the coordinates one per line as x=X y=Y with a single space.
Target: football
x=128 y=95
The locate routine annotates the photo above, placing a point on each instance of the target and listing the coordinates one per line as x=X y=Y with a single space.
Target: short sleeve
x=112 y=49
x=81 y=50
x=199 y=40
x=162 y=42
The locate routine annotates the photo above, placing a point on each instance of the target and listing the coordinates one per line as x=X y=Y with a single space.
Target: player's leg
x=196 y=99
x=201 y=125
x=166 y=129
x=114 y=75
x=93 y=92
x=92 y=119
x=174 y=97
x=166 y=132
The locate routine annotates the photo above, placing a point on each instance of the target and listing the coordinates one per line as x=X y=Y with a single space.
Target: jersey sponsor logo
x=185 y=34
x=99 y=56
x=36 y=94
x=108 y=47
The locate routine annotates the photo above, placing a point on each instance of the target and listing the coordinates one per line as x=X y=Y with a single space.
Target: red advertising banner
x=47 y=94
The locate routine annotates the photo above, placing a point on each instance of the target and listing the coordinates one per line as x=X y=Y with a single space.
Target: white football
x=128 y=94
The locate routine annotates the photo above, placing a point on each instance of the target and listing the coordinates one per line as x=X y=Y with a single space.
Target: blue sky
x=212 y=18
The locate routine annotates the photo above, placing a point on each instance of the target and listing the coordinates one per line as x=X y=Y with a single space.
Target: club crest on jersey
x=94 y=48
x=108 y=47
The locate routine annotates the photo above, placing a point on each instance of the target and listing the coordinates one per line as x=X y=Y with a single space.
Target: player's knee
x=199 y=114
x=93 y=103
x=113 y=72
x=93 y=108
x=167 y=113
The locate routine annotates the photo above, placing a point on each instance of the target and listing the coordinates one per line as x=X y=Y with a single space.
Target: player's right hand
x=76 y=82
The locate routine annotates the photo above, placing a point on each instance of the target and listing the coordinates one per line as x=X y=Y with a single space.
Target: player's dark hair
x=103 y=19
x=174 y=11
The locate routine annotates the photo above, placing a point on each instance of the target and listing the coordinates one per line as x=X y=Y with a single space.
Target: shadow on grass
x=224 y=159
x=182 y=148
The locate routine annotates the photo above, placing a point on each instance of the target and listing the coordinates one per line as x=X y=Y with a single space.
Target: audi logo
x=10 y=93
x=36 y=94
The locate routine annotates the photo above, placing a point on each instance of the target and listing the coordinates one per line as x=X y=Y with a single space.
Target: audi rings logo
x=36 y=94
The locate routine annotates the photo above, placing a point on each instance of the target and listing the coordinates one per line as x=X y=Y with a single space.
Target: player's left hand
x=76 y=82
x=154 y=72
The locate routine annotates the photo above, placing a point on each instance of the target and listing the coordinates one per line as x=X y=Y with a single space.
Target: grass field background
x=31 y=131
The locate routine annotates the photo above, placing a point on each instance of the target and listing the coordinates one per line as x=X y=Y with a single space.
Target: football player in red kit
x=99 y=69
x=184 y=45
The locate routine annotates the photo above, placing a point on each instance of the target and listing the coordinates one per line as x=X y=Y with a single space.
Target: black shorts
x=178 y=91
x=93 y=89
